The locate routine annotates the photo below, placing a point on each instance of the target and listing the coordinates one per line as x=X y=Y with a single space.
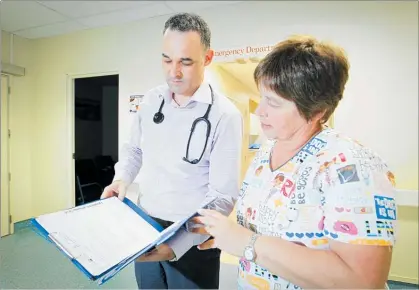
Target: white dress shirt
x=170 y=188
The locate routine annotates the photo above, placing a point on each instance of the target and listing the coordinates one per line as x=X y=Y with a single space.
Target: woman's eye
x=273 y=103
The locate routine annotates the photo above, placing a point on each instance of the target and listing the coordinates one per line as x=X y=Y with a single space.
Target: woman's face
x=279 y=117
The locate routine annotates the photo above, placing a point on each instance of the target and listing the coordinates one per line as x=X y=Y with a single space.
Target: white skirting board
x=405 y=197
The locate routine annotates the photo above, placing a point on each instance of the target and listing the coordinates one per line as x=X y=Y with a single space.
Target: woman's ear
x=318 y=117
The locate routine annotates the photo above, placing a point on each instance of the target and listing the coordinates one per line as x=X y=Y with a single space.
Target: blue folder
x=108 y=274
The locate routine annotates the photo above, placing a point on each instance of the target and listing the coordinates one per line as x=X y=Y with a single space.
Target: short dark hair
x=310 y=73
x=184 y=22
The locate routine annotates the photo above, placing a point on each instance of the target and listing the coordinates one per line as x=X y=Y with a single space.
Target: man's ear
x=208 y=57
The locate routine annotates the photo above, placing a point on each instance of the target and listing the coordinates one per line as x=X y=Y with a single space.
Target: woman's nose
x=259 y=110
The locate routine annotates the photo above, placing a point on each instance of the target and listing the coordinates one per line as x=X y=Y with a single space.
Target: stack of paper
x=104 y=236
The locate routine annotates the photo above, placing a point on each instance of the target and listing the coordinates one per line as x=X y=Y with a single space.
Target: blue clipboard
x=166 y=234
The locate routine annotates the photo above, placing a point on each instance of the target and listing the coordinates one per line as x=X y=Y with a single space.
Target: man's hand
x=117 y=188
x=162 y=253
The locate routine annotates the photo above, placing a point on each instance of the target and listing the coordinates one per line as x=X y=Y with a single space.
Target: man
x=174 y=180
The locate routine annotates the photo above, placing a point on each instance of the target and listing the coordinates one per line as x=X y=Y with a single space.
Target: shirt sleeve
x=130 y=156
x=224 y=177
x=358 y=198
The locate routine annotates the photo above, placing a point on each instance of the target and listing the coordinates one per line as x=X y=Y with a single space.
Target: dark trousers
x=196 y=269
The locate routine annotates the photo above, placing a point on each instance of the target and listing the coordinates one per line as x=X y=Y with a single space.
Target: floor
x=28 y=261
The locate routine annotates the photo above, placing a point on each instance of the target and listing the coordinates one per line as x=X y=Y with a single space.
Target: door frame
x=71 y=194
x=10 y=230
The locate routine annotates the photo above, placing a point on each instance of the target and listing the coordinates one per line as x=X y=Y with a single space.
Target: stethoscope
x=159 y=117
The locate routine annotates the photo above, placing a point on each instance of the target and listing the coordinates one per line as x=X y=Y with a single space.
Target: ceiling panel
x=192 y=6
x=17 y=15
x=118 y=17
x=77 y=9
x=34 y=19
x=51 y=30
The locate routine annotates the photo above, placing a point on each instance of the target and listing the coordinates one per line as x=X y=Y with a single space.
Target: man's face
x=184 y=59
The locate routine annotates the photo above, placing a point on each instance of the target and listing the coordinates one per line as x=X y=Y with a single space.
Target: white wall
x=110 y=122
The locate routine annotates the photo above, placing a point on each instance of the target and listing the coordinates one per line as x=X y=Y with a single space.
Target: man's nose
x=176 y=71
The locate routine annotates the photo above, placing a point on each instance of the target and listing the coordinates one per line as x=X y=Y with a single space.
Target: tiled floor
x=28 y=261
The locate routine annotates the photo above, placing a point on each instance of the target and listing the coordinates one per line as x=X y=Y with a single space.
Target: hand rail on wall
x=11 y=69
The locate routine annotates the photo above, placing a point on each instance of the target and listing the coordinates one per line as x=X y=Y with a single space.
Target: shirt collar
x=202 y=94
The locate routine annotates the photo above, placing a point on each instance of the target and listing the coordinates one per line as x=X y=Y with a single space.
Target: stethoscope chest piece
x=158 y=117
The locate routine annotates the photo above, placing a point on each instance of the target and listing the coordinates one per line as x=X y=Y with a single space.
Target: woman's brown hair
x=310 y=73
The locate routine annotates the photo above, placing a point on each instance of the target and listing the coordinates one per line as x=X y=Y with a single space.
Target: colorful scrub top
x=333 y=188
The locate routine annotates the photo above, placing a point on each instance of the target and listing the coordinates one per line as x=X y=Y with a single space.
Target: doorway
x=5 y=177
x=235 y=80
x=95 y=135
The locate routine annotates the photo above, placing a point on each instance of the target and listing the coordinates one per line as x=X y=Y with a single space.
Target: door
x=4 y=193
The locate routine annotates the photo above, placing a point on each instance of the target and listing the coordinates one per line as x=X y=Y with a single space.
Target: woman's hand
x=228 y=235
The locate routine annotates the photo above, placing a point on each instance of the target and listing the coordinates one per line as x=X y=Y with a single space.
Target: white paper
x=164 y=235
x=99 y=235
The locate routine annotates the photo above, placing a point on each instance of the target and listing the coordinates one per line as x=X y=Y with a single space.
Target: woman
x=321 y=211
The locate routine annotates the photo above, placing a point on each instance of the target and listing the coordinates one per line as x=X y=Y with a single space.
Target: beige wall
x=240 y=94
x=5 y=47
x=379 y=107
x=22 y=101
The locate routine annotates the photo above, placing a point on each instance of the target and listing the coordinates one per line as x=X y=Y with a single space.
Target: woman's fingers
x=209 y=244
x=207 y=221
x=195 y=220
x=210 y=213
x=199 y=230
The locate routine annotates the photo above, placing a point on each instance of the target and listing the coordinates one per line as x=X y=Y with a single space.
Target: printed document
x=99 y=235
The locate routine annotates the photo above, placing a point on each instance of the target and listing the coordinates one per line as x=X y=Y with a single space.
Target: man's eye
x=187 y=63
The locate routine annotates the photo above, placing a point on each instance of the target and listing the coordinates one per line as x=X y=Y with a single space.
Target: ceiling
x=39 y=19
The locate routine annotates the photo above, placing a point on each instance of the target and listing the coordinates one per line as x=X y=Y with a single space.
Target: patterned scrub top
x=333 y=188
